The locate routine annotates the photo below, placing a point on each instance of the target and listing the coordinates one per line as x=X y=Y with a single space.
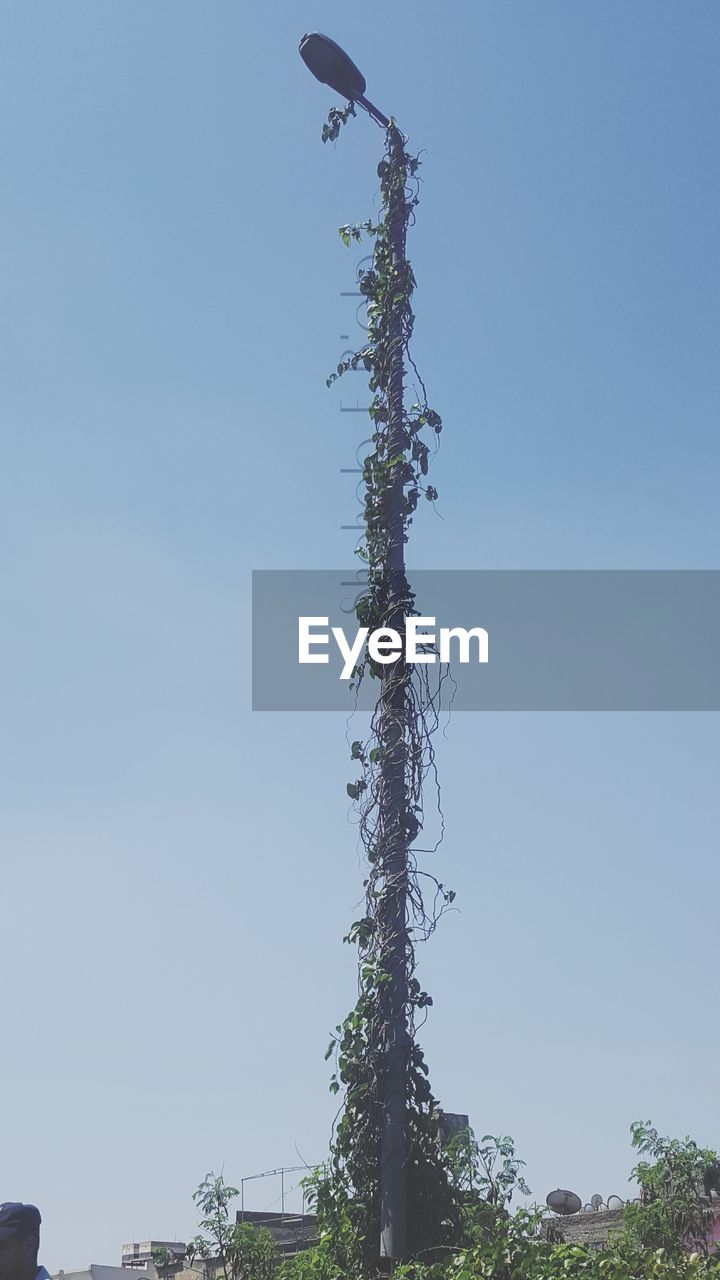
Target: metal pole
x=331 y=65
x=393 y=712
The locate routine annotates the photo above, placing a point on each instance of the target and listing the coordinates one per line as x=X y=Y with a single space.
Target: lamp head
x=331 y=65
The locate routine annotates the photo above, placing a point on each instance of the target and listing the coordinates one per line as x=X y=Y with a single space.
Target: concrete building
x=592 y=1228
x=139 y=1254
x=291 y=1232
x=97 y=1272
x=595 y=1227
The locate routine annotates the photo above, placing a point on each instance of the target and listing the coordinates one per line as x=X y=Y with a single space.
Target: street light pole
x=331 y=65
x=393 y=712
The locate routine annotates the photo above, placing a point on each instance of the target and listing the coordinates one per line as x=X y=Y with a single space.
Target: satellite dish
x=614 y=1202
x=564 y=1202
x=602 y=1208
x=587 y=1208
x=596 y=1201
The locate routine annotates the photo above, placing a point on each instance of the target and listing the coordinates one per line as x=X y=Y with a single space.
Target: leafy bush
x=664 y=1236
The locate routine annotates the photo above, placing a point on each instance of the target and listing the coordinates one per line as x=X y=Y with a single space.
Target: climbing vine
x=397 y=754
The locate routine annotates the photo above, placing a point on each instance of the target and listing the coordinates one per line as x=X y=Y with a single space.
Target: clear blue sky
x=178 y=872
